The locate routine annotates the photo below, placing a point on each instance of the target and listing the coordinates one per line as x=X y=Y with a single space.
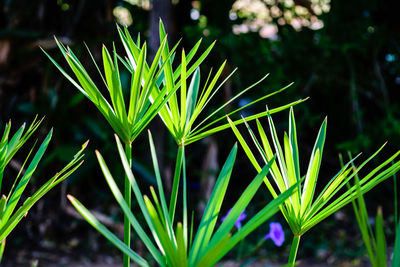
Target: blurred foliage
x=349 y=68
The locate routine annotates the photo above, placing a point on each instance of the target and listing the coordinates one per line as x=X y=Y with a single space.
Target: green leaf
x=250 y=155
x=396 y=253
x=3 y=203
x=294 y=147
x=192 y=96
x=210 y=256
x=63 y=71
x=181 y=246
x=366 y=183
x=189 y=57
x=280 y=156
x=13 y=201
x=175 y=185
x=267 y=155
x=198 y=136
x=313 y=169
x=212 y=209
x=362 y=218
x=380 y=239
x=183 y=92
x=194 y=131
x=204 y=97
x=136 y=85
x=160 y=189
x=168 y=244
x=251 y=225
x=106 y=233
x=151 y=77
x=240 y=205
x=128 y=213
x=9 y=225
x=114 y=85
x=169 y=79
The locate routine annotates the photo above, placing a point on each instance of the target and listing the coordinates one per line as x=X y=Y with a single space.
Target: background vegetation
x=344 y=55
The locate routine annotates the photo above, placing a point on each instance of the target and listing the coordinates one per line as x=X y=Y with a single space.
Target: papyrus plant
x=303 y=210
x=153 y=88
x=11 y=210
x=179 y=244
x=181 y=112
x=127 y=118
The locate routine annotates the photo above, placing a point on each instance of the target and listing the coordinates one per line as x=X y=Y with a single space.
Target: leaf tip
x=71 y=198
x=85 y=144
x=379 y=211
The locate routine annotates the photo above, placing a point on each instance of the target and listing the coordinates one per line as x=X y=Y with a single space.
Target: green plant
x=181 y=112
x=375 y=243
x=127 y=123
x=303 y=211
x=153 y=90
x=184 y=246
x=9 y=145
x=180 y=116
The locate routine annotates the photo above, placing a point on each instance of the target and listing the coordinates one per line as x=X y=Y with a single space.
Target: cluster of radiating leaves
x=129 y=122
x=179 y=245
x=182 y=110
x=302 y=210
x=153 y=87
x=9 y=145
x=158 y=88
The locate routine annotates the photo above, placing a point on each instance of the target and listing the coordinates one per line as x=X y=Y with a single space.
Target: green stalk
x=1 y=178
x=185 y=219
x=128 y=200
x=293 y=250
x=255 y=248
x=175 y=186
x=240 y=251
x=396 y=218
x=2 y=246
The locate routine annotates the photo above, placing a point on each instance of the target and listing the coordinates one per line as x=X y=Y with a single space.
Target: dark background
x=349 y=68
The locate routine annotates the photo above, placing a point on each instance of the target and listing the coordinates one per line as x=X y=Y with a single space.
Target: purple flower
x=238 y=223
x=276 y=234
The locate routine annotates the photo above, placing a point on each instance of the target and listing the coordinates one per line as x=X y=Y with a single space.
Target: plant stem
x=240 y=251
x=293 y=250
x=255 y=248
x=175 y=186
x=396 y=218
x=2 y=246
x=1 y=178
x=185 y=219
x=128 y=200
